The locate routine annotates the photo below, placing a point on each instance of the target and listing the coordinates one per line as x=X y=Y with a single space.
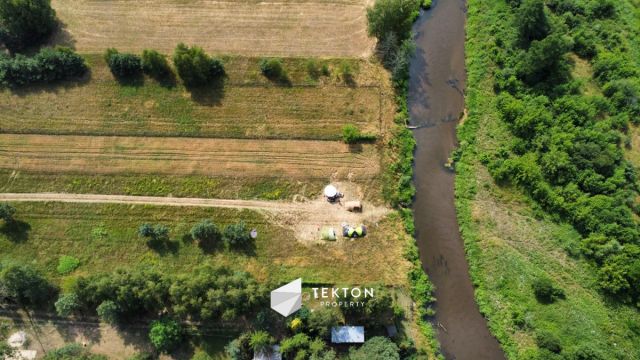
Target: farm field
x=270 y=28
x=104 y=237
x=247 y=106
x=177 y=156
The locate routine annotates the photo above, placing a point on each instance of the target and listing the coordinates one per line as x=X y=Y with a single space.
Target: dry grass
x=248 y=106
x=179 y=156
x=279 y=28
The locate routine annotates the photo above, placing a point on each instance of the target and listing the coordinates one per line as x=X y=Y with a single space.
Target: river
x=436 y=100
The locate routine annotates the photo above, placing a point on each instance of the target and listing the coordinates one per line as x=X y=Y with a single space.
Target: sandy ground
x=266 y=28
x=305 y=217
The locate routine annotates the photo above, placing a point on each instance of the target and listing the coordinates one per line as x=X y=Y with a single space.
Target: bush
x=313 y=69
x=25 y=23
x=72 y=352
x=240 y=349
x=165 y=335
x=47 y=66
x=155 y=64
x=206 y=231
x=260 y=341
x=273 y=69
x=67 y=264
x=376 y=348
x=195 y=67
x=67 y=304
x=392 y=16
x=123 y=66
x=545 y=291
x=109 y=312
x=7 y=212
x=236 y=235
x=547 y=340
x=351 y=135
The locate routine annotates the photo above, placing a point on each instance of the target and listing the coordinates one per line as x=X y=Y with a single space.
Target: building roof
x=347 y=334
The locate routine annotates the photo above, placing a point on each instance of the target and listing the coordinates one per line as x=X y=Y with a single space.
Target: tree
x=157 y=233
x=195 y=67
x=123 y=65
x=260 y=341
x=155 y=64
x=293 y=346
x=67 y=304
x=392 y=17
x=321 y=321
x=236 y=235
x=25 y=23
x=109 y=312
x=532 y=21
x=546 y=291
x=165 y=335
x=239 y=348
x=72 y=352
x=48 y=65
x=547 y=340
x=7 y=212
x=206 y=232
x=273 y=69
x=376 y=348
x=25 y=286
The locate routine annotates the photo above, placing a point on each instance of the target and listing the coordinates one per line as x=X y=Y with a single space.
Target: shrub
x=273 y=69
x=67 y=264
x=25 y=23
x=123 y=65
x=392 y=16
x=236 y=235
x=195 y=67
x=547 y=340
x=48 y=65
x=260 y=341
x=206 y=231
x=351 y=135
x=165 y=335
x=155 y=64
x=67 y=304
x=376 y=348
x=313 y=69
x=239 y=348
x=109 y=312
x=545 y=291
x=72 y=352
x=7 y=212
x=155 y=233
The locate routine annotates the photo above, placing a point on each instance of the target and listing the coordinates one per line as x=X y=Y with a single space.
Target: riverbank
x=510 y=241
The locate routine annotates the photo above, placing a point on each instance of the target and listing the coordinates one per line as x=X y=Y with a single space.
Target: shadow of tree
x=163 y=246
x=53 y=88
x=210 y=95
x=17 y=231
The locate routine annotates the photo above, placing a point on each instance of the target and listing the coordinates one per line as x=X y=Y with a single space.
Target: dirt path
x=305 y=217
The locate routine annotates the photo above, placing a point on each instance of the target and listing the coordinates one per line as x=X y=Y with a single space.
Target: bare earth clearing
x=305 y=218
x=267 y=28
x=179 y=156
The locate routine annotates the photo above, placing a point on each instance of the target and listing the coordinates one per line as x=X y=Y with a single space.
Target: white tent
x=330 y=191
x=17 y=339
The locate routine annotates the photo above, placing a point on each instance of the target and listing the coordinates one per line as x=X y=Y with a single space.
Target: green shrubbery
x=568 y=154
x=123 y=65
x=72 y=352
x=195 y=67
x=351 y=135
x=165 y=334
x=546 y=291
x=23 y=285
x=47 y=66
x=273 y=69
x=155 y=64
x=67 y=264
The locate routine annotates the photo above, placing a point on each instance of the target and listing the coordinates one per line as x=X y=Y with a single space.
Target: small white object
x=17 y=339
x=330 y=191
x=254 y=233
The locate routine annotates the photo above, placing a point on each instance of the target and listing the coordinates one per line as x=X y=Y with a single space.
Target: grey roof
x=347 y=334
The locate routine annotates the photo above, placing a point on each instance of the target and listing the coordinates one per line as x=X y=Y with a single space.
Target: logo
x=342 y=297
x=287 y=299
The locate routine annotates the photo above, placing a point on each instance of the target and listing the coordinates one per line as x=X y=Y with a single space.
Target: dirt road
x=305 y=218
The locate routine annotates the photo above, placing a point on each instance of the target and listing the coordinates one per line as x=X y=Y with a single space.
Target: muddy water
x=436 y=101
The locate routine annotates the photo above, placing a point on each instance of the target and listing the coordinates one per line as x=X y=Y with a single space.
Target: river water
x=436 y=100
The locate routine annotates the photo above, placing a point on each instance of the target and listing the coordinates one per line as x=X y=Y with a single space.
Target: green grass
x=104 y=237
x=510 y=242
x=157 y=185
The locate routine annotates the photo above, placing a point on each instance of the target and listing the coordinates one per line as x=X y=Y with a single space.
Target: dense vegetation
x=567 y=153
x=25 y=23
x=541 y=121
x=47 y=66
x=195 y=67
x=123 y=65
